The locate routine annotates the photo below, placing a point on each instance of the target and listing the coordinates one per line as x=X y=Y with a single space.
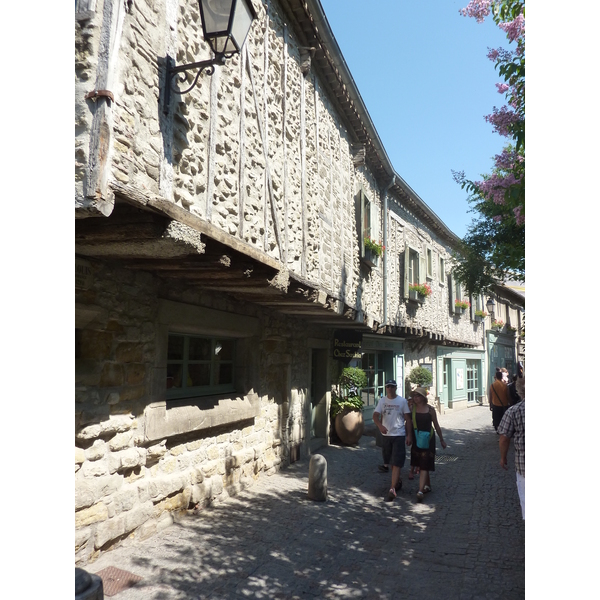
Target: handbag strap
x=414 y=418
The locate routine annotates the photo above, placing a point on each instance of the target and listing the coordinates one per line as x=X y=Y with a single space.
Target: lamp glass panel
x=215 y=16
x=242 y=20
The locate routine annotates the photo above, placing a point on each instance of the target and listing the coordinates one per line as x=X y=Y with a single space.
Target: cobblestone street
x=465 y=541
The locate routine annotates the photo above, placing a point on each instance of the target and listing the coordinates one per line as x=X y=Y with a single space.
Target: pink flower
x=502 y=119
x=519 y=217
x=502 y=87
x=514 y=29
x=478 y=9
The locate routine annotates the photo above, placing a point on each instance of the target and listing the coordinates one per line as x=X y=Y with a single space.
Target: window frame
x=203 y=390
x=408 y=250
x=428 y=262
x=442 y=268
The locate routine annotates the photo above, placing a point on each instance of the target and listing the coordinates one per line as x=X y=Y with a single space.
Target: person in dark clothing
x=512 y=390
x=425 y=421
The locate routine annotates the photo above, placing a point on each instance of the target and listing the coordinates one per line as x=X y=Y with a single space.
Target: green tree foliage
x=494 y=246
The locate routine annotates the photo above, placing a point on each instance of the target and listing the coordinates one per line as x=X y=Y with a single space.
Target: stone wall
x=130 y=483
x=257 y=148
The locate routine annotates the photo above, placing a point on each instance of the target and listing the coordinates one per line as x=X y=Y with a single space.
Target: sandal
x=383 y=469
x=391 y=495
x=419 y=496
x=411 y=476
x=426 y=489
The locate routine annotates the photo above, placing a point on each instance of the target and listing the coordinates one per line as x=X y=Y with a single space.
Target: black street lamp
x=225 y=25
x=490 y=307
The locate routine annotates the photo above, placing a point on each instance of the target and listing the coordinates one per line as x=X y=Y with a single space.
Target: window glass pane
x=174 y=372
x=200 y=349
x=224 y=349
x=413 y=276
x=223 y=373
x=198 y=374
x=175 y=350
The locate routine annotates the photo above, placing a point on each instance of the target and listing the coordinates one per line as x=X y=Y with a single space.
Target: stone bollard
x=88 y=586
x=317 y=478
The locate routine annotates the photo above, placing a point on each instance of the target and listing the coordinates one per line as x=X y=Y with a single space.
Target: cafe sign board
x=347 y=344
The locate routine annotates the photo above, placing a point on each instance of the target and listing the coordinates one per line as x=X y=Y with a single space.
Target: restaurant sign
x=347 y=344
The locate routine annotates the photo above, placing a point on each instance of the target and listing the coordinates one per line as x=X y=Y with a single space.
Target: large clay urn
x=349 y=426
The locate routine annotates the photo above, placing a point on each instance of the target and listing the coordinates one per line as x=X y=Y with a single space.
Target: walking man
x=513 y=426
x=392 y=417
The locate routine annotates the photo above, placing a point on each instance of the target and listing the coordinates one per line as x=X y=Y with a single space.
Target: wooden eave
x=146 y=232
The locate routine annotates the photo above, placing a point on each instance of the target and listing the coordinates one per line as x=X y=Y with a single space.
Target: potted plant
x=511 y=328
x=480 y=315
x=497 y=325
x=346 y=405
x=461 y=305
x=373 y=251
x=418 y=291
x=421 y=377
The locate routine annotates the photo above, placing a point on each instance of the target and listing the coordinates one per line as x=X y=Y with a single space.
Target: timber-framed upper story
x=267 y=181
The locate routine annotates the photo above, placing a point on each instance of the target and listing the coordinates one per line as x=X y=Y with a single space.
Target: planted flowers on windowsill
x=497 y=324
x=421 y=288
x=463 y=304
x=373 y=246
x=481 y=314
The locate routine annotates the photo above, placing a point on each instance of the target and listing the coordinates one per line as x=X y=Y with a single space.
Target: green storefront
x=382 y=359
x=460 y=377
x=501 y=353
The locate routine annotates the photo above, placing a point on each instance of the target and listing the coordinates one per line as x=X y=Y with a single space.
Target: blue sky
x=423 y=74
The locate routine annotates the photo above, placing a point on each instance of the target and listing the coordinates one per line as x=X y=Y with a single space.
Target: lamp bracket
x=172 y=71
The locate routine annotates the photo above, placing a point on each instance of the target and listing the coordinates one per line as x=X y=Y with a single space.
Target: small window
x=429 y=263
x=199 y=366
x=442 y=273
x=413 y=267
x=366 y=225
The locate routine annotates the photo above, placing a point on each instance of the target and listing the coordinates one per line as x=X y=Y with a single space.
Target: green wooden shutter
x=422 y=267
x=361 y=233
x=451 y=293
x=406 y=269
x=472 y=300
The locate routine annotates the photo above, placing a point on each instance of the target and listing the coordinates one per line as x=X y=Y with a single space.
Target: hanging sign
x=347 y=344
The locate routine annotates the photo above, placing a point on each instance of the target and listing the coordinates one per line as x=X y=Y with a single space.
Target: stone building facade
x=220 y=251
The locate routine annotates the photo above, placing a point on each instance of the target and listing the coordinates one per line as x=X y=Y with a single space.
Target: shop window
x=199 y=365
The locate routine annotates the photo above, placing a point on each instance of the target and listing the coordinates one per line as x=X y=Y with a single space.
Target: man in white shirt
x=392 y=417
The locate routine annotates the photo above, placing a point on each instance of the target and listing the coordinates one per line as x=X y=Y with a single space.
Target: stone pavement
x=466 y=541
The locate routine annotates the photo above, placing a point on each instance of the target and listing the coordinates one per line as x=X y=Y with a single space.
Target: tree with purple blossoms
x=494 y=246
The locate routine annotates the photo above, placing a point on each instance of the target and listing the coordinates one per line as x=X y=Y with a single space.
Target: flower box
x=416 y=296
x=371 y=258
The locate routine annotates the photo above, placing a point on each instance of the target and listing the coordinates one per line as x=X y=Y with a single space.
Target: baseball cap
x=391 y=382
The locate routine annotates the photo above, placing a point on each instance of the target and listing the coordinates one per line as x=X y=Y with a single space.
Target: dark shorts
x=393 y=448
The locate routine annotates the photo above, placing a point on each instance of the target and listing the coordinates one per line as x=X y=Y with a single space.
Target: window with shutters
x=442 y=273
x=414 y=269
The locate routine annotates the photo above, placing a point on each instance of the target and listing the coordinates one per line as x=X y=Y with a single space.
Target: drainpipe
x=385 y=244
